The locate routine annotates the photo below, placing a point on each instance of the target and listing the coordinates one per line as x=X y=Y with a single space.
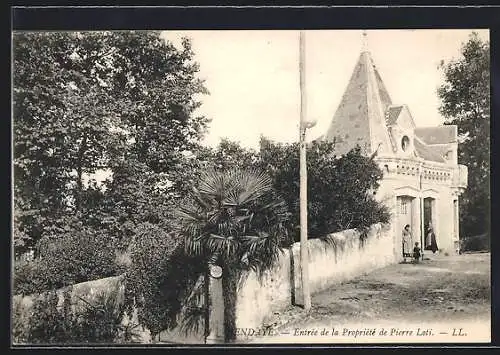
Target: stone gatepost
x=215 y=306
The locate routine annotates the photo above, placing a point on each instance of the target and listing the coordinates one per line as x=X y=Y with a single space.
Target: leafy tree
x=134 y=196
x=88 y=101
x=339 y=188
x=465 y=102
x=230 y=154
x=62 y=117
x=225 y=156
x=235 y=220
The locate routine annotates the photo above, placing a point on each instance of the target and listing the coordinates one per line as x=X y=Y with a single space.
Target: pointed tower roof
x=360 y=117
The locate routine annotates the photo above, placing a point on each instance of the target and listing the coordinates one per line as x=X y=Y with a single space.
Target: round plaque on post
x=215 y=271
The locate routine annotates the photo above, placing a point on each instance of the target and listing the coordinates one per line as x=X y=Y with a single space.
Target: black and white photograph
x=250 y=187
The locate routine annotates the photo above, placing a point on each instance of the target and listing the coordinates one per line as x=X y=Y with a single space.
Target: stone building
x=422 y=180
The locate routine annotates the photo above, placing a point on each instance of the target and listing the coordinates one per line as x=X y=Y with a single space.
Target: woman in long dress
x=430 y=239
x=407 y=242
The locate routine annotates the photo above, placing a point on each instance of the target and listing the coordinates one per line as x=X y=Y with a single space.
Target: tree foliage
x=122 y=102
x=233 y=219
x=339 y=189
x=465 y=102
x=50 y=323
x=75 y=256
x=162 y=278
x=229 y=155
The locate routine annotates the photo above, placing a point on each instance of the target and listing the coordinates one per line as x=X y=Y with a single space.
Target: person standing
x=416 y=253
x=407 y=242
x=430 y=239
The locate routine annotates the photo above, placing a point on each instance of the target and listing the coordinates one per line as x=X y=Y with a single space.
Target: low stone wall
x=336 y=258
x=81 y=294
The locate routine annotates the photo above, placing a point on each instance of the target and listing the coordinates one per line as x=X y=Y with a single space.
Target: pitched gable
x=400 y=115
x=392 y=114
x=359 y=118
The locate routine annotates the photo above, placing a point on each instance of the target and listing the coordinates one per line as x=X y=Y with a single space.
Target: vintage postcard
x=251 y=187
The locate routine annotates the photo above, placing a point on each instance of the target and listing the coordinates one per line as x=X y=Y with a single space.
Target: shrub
x=99 y=322
x=476 y=243
x=29 y=278
x=20 y=322
x=50 y=323
x=76 y=256
x=158 y=277
x=338 y=188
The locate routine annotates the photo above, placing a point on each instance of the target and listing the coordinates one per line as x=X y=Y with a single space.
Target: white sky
x=253 y=76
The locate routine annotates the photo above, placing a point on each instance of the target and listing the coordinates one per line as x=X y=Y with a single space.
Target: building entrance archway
x=429 y=221
x=406 y=212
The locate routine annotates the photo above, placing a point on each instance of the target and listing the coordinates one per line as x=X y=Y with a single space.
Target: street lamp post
x=304 y=125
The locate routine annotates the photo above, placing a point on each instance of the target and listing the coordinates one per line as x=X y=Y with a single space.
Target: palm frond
x=213 y=216
x=213 y=258
x=248 y=186
x=203 y=200
x=190 y=215
x=196 y=295
x=192 y=221
x=193 y=245
x=193 y=320
x=263 y=250
x=240 y=219
x=253 y=243
x=194 y=308
x=226 y=246
x=276 y=205
x=213 y=183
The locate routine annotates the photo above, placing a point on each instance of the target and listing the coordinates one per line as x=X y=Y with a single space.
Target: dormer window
x=405 y=143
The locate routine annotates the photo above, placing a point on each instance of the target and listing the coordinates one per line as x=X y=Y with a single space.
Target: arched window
x=405 y=143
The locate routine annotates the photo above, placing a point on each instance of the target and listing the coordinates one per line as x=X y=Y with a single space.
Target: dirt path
x=426 y=302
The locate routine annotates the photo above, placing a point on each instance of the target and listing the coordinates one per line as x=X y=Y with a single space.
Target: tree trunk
x=79 y=173
x=230 y=279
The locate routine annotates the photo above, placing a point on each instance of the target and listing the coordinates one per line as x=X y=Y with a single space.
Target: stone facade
x=422 y=178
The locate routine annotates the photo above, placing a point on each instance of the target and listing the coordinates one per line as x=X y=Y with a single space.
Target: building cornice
x=430 y=171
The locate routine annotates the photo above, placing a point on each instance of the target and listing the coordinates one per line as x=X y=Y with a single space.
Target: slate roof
x=357 y=118
x=437 y=135
x=426 y=152
x=393 y=114
x=384 y=94
x=365 y=112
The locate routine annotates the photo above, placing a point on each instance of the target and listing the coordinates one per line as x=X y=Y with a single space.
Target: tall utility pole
x=304 y=252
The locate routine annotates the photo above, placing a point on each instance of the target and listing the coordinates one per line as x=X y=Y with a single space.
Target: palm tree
x=234 y=219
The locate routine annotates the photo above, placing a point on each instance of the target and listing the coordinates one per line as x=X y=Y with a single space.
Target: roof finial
x=365 y=41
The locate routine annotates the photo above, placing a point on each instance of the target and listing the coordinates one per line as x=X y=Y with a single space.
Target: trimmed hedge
x=72 y=258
